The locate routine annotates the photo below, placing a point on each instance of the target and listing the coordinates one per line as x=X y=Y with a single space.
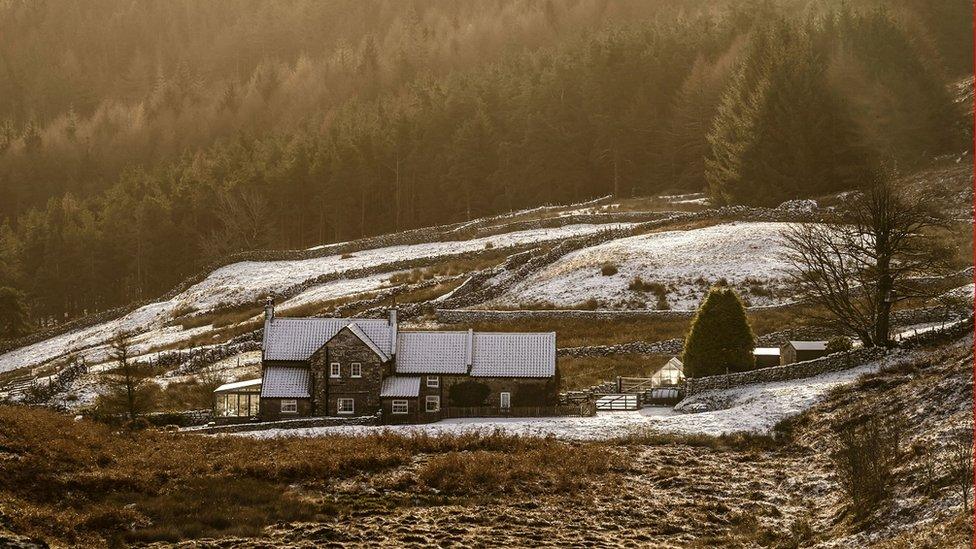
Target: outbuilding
x=669 y=375
x=766 y=356
x=800 y=351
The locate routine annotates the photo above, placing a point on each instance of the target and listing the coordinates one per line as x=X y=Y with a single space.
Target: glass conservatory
x=240 y=399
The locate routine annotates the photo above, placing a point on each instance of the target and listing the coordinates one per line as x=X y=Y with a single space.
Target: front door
x=506 y=401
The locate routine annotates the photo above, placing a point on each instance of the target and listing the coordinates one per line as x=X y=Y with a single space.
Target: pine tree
x=128 y=389
x=13 y=314
x=720 y=340
x=781 y=132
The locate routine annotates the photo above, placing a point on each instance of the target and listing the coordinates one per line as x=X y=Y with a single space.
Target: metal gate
x=619 y=402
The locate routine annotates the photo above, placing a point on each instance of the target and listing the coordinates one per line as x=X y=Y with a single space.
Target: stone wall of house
x=270 y=408
x=318 y=374
x=544 y=389
x=346 y=349
x=413 y=415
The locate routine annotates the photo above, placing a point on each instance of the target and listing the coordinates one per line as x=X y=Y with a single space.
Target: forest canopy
x=140 y=141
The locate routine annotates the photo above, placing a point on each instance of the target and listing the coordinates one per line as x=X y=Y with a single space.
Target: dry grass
x=185 y=395
x=426 y=294
x=451 y=267
x=81 y=483
x=222 y=316
x=219 y=335
x=582 y=372
x=552 y=468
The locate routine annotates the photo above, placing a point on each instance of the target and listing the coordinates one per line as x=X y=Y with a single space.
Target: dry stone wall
x=666 y=347
x=830 y=363
x=798 y=370
x=288 y=424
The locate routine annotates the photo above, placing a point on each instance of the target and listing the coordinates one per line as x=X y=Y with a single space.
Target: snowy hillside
x=686 y=263
x=244 y=282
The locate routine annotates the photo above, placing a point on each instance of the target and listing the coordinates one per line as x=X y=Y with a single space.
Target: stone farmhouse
x=347 y=367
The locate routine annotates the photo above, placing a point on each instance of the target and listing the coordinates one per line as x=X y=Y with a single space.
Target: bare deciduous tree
x=868 y=257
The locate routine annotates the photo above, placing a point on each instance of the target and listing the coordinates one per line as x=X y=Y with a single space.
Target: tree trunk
x=882 y=323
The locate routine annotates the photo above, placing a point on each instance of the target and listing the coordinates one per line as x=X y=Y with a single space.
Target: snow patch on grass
x=753 y=408
x=747 y=255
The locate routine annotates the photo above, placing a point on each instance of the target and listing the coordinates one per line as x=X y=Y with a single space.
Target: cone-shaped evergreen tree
x=720 y=339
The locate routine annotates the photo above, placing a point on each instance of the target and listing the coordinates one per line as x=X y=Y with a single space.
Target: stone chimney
x=269 y=309
x=470 y=349
x=393 y=330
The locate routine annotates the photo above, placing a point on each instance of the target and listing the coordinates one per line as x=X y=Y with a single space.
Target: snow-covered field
x=687 y=262
x=243 y=282
x=754 y=408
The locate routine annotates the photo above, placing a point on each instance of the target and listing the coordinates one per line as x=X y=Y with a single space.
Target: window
x=356 y=370
x=433 y=381
x=506 y=401
x=334 y=370
x=433 y=403
x=289 y=406
x=346 y=405
x=399 y=406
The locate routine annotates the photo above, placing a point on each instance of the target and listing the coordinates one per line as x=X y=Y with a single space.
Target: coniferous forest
x=140 y=141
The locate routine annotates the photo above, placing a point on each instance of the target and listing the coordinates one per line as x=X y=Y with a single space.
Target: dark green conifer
x=720 y=340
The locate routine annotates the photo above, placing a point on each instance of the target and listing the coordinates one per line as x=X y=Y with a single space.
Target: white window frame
x=505 y=400
x=435 y=400
x=433 y=382
x=335 y=370
x=289 y=406
x=356 y=369
x=402 y=404
x=352 y=406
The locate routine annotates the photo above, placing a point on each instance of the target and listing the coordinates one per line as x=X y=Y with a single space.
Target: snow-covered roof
x=766 y=351
x=513 y=354
x=298 y=338
x=238 y=385
x=809 y=345
x=432 y=353
x=285 y=382
x=487 y=354
x=358 y=332
x=400 y=386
